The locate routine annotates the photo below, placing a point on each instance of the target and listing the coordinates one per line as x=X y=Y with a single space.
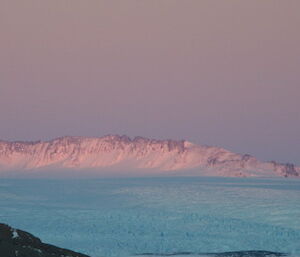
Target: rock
x=18 y=243
x=120 y=155
x=221 y=254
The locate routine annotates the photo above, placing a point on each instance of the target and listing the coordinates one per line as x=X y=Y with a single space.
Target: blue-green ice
x=129 y=216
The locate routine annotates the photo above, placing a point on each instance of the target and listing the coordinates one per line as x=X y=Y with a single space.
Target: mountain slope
x=18 y=243
x=147 y=156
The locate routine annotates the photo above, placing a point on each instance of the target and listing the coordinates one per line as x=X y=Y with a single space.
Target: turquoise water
x=131 y=216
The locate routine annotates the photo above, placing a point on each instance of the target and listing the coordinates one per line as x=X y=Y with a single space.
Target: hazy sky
x=223 y=73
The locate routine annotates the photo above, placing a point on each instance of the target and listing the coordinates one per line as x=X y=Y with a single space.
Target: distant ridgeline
x=144 y=156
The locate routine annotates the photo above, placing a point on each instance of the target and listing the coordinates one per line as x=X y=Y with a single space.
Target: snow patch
x=15 y=233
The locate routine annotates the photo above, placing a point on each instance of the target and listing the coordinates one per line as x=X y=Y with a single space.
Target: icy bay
x=132 y=216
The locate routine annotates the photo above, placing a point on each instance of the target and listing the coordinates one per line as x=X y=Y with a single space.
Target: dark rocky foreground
x=18 y=243
x=221 y=254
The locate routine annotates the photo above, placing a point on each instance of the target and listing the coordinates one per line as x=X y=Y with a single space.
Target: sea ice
x=126 y=217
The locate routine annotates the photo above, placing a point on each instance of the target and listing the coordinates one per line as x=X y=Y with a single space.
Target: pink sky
x=223 y=73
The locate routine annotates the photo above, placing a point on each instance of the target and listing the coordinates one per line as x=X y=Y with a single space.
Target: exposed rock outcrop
x=146 y=155
x=18 y=243
x=222 y=254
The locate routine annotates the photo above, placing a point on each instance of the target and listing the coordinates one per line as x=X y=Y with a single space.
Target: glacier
x=120 y=155
x=125 y=217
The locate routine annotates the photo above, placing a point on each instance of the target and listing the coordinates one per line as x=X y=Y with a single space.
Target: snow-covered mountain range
x=145 y=156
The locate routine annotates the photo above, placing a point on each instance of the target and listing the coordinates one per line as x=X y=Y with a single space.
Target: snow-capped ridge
x=139 y=153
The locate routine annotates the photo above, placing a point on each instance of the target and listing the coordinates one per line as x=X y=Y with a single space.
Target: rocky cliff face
x=18 y=243
x=146 y=155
